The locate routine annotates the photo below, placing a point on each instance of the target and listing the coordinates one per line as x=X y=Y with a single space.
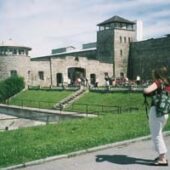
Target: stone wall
x=38 y=114
x=105 y=46
x=113 y=48
x=148 y=55
x=20 y=63
x=60 y=65
x=121 y=50
x=36 y=67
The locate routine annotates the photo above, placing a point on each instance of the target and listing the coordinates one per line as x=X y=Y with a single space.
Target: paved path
x=131 y=156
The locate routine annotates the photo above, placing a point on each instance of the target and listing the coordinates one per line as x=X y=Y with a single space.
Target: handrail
x=88 y=108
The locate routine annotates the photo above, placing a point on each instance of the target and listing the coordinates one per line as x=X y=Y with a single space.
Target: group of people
x=82 y=81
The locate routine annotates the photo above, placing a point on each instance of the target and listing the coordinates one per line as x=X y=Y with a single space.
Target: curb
x=85 y=151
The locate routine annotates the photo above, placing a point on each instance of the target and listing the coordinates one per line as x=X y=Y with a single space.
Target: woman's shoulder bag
x=161 y=99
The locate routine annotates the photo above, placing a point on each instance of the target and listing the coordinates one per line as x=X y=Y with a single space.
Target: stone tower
x=14 y=60
x=113 y=40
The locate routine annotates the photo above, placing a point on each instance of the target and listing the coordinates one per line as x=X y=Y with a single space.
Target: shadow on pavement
x=123 y=159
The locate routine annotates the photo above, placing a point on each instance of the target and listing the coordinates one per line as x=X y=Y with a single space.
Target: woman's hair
x=162 y=74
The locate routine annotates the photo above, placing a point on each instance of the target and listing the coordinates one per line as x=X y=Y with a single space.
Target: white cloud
x=47 y=24
x=159 y=31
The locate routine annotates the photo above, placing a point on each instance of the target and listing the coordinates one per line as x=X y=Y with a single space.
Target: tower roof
x=11 y=43
x=116 y=19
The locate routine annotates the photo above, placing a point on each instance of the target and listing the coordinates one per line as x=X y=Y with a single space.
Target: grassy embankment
x=39 y=98
x=46 y=99
x=95 y=101
x=28 y=144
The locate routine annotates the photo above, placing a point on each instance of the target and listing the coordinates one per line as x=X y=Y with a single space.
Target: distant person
x=156 y=121
x=113 y=82
x=138 y=79
x=69 y=82
x=87 y=82
x=107 y=82
x=79 y=81
x=96 y=83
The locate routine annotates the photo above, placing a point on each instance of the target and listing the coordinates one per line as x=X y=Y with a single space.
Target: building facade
x=116 y=52
x=14 y=59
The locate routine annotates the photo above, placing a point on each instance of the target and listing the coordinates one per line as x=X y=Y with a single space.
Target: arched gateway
x=76 y=73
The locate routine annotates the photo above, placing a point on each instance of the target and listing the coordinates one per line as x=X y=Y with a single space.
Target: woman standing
x=156 y=121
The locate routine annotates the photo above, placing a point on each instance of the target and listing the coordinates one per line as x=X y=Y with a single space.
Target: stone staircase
x=70 y=99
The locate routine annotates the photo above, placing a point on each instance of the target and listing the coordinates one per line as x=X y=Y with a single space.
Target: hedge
x=10 y=87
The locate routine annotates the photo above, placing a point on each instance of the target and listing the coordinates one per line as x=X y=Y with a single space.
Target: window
x=121 y=52
x=15 y=52
x=107 y=27
x=101 y=28
x=76 y=59
x=120 y=39
x=92 y=78
x=41 y=75
x=123 y=26
x=5 y=51
x=59 y=79
x=129 y=39
x=19 y=52
x=124 y=39
x=13 y=73
x=112 y=25
x=130 y=27
x=10 y=51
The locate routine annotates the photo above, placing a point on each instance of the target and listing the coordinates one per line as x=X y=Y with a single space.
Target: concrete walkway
x=136 y=155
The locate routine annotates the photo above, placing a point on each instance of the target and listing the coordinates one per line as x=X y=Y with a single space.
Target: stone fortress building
x=14 y=60
x=116 y=52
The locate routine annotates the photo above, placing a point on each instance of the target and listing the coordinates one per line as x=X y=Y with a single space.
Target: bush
x=10 y=87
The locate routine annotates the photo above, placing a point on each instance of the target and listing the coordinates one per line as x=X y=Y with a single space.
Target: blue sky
x=47 y=24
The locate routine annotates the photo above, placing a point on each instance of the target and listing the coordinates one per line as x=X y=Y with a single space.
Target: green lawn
x=39 y=98
x=90 y=102
x=28 y=144
x=124 y=100
x=117 y=98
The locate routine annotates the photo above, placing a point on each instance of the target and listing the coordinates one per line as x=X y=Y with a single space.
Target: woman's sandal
x=161 y=162
x=156 y=159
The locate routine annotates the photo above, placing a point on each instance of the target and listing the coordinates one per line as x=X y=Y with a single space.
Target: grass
x=28 y=144
x=124 y=100
x=39 y=98
x=117 y=98
x=90 y=102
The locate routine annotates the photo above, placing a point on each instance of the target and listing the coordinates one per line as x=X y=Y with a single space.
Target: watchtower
x=113 y=40
x=14 y=60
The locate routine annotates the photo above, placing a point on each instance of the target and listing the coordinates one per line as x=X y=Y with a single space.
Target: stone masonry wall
x=121 y=50
x=60 y=65
x=148 y=55
x=105 y=46
x=113 y=48
x=36 y=67
x=20 y=63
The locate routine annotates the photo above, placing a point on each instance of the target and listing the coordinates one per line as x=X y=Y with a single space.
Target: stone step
x=69 y=99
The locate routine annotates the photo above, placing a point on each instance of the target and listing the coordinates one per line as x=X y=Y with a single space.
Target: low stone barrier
x=38 y=114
